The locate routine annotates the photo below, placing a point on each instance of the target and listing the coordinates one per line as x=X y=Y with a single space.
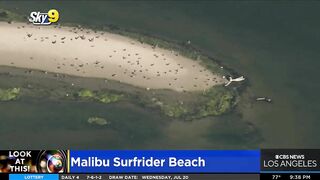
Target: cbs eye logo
x=52 y=161
x=38 y=18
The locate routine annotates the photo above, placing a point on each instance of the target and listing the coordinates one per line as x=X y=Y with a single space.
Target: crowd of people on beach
x=127 y=62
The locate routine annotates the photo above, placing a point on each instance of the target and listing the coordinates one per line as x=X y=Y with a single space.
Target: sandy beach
x=87 y=53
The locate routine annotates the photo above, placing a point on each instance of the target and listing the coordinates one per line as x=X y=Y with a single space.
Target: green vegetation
x=219 y=101
x=9 y=94
x=215 y=101
x=174 y=110
x=103 y=97
x=98 y=121
x=85 y=93
x=108 y=98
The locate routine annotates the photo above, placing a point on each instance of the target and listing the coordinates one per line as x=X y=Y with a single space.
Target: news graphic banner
x=164 y=161
x=35 y=161
x=159 y=164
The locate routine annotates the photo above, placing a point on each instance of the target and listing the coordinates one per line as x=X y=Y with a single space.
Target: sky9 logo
x=38 y=18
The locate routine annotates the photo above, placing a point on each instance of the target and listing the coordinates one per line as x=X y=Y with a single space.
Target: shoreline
x=140 y=60
x=188 y=106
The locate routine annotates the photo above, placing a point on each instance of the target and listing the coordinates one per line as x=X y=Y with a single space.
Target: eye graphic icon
x=53 y=161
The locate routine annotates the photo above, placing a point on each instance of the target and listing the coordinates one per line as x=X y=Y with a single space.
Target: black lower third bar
x=290 y=176
x=160 y=176
x=265 y=176
x=4 y=176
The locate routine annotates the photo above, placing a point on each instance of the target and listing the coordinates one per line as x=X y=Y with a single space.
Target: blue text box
x=216 y=161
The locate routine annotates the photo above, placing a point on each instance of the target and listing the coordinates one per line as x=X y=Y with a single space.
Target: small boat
x=266 y=99
x=241 y=78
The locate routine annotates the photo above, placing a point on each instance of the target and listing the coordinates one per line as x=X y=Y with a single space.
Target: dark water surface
x=275 y=45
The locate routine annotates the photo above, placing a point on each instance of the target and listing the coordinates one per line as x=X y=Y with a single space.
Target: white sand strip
x=83 y=52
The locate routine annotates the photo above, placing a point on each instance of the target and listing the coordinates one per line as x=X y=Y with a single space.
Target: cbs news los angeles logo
x=38 y=18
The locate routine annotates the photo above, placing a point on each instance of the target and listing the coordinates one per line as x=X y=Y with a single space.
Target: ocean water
x=274 y=44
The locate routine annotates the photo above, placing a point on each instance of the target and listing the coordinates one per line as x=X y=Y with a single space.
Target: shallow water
x=274 y=44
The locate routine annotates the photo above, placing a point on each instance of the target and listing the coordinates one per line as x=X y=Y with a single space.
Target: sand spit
x=87 y=53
